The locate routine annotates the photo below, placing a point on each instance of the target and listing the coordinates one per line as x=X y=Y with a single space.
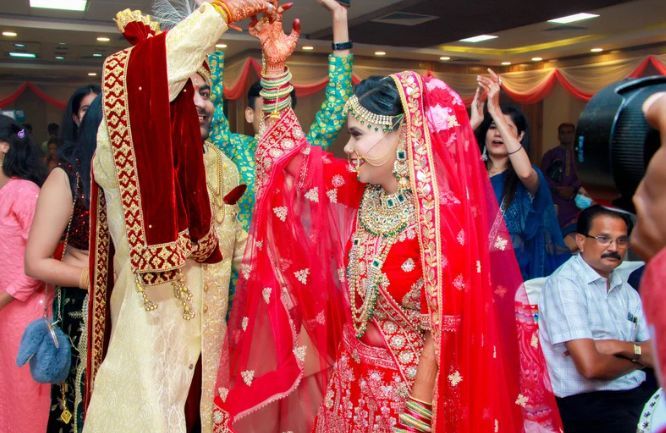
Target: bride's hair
x=379 y=95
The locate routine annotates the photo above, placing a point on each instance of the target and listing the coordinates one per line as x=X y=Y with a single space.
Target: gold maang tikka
x=370 y=119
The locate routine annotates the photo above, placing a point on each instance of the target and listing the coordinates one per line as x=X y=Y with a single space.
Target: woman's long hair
x=69 y=130
x=79 y=153
x=511 y=181
x=23 y=159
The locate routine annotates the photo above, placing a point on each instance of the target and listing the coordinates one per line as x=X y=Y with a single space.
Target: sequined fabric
x=366 y=392
x=79 y=229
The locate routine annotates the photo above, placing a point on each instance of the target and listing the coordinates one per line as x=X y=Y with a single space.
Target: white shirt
x=576 y=304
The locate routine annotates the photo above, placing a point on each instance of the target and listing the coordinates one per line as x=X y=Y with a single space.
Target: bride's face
x=372 y=153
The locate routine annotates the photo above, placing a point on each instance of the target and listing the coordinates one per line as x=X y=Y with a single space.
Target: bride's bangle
x=222 y=9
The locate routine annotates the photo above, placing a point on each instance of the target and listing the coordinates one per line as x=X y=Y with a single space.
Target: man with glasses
x=593 y=331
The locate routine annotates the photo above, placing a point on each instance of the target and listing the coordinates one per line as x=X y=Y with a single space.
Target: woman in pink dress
x=24 y=403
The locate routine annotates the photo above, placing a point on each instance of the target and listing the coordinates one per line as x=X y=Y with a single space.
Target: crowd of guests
x=592 y=327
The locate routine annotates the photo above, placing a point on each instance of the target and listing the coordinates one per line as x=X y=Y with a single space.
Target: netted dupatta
x=492 y=373
x=287 y=319
x=290 y=304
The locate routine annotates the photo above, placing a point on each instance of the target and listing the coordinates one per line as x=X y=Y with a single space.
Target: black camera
x=614 y=143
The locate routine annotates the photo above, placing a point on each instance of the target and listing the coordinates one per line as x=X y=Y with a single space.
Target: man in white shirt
x=593 y=330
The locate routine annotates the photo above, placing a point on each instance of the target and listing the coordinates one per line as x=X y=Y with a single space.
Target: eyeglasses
x=605 y=240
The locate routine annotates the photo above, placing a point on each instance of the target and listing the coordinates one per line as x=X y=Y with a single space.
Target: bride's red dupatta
x=291 y=303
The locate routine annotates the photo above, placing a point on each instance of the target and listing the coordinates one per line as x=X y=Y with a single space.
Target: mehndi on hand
x=276 y=45
x=238 y=10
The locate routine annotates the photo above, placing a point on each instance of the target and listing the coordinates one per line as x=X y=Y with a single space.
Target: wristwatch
x=637 y=353
x=339 y=46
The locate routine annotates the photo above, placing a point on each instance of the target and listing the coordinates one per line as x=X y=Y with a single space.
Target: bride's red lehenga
x=294 y=361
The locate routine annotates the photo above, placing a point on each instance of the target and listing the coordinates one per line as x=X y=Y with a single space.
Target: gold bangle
x=221 y=9
x=84 y=279
x=419 y=400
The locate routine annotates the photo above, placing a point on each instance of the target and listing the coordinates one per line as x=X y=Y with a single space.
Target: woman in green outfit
x=324 y=130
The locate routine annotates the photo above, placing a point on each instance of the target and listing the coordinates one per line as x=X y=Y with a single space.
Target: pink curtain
x=525 y=87
x=27 y=85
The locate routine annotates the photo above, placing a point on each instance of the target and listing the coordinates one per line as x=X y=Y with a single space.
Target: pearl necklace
x=382 y=218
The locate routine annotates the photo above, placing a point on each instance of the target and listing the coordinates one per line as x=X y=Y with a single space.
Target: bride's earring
x=400 y=169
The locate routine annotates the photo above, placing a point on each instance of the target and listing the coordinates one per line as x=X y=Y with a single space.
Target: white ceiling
x=73 y=35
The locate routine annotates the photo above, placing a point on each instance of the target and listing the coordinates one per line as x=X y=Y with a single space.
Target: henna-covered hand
x=276 y=45
x=241 y=9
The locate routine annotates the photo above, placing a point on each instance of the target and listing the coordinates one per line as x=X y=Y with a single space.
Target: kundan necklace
x=382 y=217
x=385 y=215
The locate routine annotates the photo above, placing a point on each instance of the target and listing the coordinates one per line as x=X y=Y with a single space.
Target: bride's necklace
x=384 y=214
x=382 y=218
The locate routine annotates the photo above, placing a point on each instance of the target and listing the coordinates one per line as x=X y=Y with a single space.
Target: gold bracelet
x=84 y=279
x=221 y=9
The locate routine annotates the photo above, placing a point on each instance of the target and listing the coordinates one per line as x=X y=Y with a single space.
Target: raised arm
x=220 y=132
x=190 y=41
x=330 y=118
x=518 y=157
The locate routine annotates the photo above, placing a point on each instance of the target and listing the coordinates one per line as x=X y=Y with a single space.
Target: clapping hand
x=491 y=85
x=476 y=110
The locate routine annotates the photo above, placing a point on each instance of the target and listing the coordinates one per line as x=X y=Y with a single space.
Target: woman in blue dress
x=520 y=187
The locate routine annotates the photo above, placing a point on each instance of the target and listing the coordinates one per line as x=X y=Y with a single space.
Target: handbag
x=47 y=349
x=44 y=345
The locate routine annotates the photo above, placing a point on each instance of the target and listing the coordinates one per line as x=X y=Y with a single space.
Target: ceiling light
x=380 y=53
x=67 y=5
x=480 y=38
x=103 y=39
x=92 y=74
x=18 y=45
x=220 y=45
x=23 y=55
x=596 y=50
x=537 y=59
x=506 y=63
x=62 y=43
x=573 y=18
x=59 y=58
x=445 y=58
x=10 y=34
x=97 y=54
x=308 y=48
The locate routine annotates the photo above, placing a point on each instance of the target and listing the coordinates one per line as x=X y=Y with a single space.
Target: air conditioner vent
x=405 y=19
x=566 y=29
